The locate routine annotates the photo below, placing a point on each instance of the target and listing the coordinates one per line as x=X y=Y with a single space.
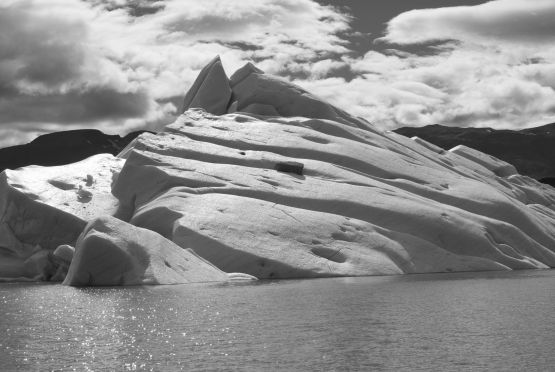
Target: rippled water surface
x=448 y=322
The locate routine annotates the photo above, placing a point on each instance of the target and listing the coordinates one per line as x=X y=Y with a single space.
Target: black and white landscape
x=239 y=147
x=260 y=177
x=530 y=150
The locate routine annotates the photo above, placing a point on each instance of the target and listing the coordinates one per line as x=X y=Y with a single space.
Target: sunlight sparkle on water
x=440 y=322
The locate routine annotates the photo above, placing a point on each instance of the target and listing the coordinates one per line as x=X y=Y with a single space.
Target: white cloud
x=92 y=63
x=118 y=65
x=497 y=69
x=514 y=21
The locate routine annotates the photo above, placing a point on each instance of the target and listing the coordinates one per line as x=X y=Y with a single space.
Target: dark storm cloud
x=38 y=49
x=51 y=74
x=74 y=107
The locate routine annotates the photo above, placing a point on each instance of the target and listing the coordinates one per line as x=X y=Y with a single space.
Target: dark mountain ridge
x=63 y=147
x=531 y=151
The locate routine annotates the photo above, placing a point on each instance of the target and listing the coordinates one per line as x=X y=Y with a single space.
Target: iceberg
x=42 y=208
x=111 y=252
x=260 y=177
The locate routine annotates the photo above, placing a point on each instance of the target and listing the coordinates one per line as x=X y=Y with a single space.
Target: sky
x=123 y=65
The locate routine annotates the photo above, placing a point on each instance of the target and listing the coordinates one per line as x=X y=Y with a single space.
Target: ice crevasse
x=258 y=176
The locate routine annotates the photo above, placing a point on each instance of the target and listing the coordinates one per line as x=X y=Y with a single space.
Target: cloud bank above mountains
x=491 y=65
x=120 y=65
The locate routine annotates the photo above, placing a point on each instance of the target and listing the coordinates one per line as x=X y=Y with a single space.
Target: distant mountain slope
x=64 y=147
x=531 y=151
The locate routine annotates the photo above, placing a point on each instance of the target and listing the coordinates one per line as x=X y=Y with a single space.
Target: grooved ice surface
x=358 y=201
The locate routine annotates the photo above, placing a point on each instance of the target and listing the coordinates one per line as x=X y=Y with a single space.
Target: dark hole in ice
x=290 y=167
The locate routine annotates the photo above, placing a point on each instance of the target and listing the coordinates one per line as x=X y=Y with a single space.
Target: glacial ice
x=42 y=208
x=111 y=252
x=358 y=201
x=210 y=90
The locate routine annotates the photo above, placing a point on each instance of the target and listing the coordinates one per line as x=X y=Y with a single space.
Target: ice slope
x=44 y=207
x=259 y=176
x=366 y=203
x=111 y=252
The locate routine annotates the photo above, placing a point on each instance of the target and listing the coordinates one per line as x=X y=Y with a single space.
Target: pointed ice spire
x=243 y=72
x=211 y=90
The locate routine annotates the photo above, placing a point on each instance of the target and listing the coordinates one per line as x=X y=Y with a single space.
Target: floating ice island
x=260 y=177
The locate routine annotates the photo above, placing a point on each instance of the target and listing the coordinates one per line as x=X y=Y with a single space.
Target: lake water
x=440 y=322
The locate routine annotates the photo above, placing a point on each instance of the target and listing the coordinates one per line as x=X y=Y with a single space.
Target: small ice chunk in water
x=64 y=253
x=240 y=276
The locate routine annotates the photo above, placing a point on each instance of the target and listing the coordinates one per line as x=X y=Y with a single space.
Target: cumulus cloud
x=461 y=87
x=120 y=65
x=54 y=71
x=495 y=67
